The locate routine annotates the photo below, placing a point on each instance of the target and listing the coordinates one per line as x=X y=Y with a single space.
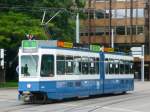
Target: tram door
x=102 y=70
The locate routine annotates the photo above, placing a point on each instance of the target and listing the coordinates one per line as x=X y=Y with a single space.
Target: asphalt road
x=136 y=101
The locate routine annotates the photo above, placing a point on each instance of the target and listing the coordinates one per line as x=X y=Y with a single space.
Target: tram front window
x=29 y=65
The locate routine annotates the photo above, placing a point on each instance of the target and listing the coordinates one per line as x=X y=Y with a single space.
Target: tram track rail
x=91 y=104
x=112 y=101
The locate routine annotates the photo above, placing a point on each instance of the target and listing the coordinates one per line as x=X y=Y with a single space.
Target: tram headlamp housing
x=29 y=86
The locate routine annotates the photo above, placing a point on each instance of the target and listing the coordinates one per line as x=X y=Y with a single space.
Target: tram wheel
x=39 y=99
x=124 y=92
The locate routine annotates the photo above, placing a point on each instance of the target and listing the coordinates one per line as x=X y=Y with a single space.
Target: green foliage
x=21 y=17
x=14 y=27
x=8 y=84
x=25 y=18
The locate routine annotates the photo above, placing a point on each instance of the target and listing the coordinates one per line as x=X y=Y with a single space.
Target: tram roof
x=35 y=44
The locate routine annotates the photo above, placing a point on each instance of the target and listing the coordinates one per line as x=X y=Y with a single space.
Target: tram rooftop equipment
x=33 y=45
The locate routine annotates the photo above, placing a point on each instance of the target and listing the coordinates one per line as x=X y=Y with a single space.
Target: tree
x=14 y=27
x=19 y=18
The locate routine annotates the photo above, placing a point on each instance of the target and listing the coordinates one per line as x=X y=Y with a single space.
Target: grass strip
x=8 y=84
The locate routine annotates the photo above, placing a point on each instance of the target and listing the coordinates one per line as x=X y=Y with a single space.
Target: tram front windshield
x=29 y=65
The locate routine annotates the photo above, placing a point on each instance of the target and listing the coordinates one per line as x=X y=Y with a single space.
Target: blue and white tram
x=50 y=72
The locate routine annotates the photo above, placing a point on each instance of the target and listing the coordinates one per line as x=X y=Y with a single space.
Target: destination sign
x=64 y=44
x=29 y=44
x=68 y=44
x=95 y=48
x=108 y=50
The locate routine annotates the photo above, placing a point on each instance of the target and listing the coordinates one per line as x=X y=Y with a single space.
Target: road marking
x=67 y=104
x=120 y=109
x=7 y=100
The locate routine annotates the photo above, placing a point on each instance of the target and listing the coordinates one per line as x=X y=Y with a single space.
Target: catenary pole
x=77 y=28
x=112 y=38
x=142 y=64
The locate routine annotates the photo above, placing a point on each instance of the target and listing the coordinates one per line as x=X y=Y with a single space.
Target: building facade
x=127 y=20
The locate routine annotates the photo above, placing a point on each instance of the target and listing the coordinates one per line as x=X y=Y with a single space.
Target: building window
x=120 y=13
x=120 y=0
x=128 y=30
x=113 y=14
x=134 y=13
x=81 y=34
x=100 y=15
x=134 y=30
x=140 y=12
x=120 y=30
x=101 y=0
x=100 y=30
x=128 y=13
x=140 y=29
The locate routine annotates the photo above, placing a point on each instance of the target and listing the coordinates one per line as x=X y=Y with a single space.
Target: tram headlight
x=28 y=85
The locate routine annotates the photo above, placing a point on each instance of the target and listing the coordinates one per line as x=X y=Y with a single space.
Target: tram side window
x=122 y=67
x=111 y=67
x=69 y=65
x=127 y=68
x=47 y=66
x=92 y=65
x=85 y=65
x=116 y=68
x=97 y=66
x=60 y=65
x=77 y=65
x=131 y=67
x=106 y=66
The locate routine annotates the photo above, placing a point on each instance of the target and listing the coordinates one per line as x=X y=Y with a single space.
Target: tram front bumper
x=29 y=86
x=25 y=96
x=37 y=86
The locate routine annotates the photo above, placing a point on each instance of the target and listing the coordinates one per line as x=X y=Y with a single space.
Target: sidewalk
x=141 y=86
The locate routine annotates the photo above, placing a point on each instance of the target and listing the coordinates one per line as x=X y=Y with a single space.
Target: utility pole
x=2 y=67
x=77 y=29
x=110 y=21
x=142 y=64
x=148 y=9
x=89 y=21
x=131 y=22
x=112 y=38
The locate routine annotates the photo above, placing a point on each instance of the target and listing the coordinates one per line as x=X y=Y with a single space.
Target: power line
x=21 y=7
